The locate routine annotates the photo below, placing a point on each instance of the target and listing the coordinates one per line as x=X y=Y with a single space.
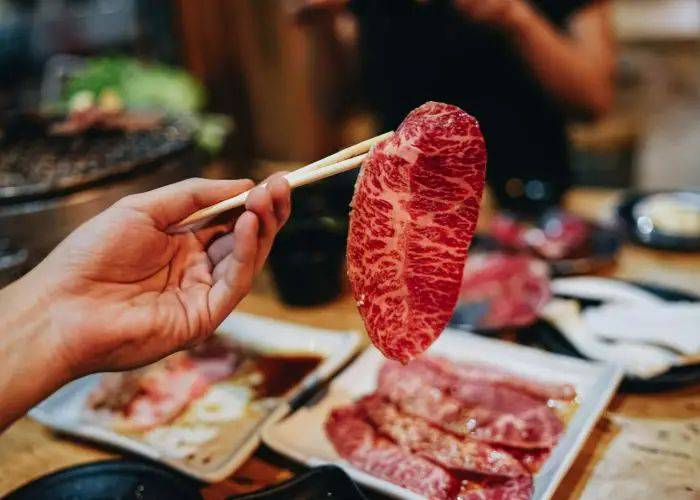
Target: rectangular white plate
x=63 y=410
x=301 y=435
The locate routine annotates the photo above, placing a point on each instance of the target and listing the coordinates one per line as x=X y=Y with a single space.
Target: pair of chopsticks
x=342 y=161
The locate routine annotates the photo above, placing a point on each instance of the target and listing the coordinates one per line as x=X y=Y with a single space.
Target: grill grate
x=34 y=164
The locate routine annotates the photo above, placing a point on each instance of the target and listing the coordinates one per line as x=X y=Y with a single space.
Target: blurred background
x=249 y=87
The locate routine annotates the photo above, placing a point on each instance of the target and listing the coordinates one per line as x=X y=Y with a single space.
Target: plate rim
x=104 y=435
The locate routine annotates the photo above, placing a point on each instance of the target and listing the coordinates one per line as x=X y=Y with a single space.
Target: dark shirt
x=416 y=51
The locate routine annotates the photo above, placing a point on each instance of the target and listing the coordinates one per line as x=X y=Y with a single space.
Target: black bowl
x=653 y=239
x=110 y=480
x=307 y=260
x=324 y=482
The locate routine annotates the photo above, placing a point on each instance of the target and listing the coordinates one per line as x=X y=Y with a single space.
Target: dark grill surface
x=34 y=164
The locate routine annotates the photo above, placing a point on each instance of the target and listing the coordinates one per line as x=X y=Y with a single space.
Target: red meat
x=470 y=408
x=414 y=211
x=459 y=455
x=357 y=442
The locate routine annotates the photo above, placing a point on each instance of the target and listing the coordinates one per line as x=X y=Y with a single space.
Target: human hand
x=502 y=14
x=122 y=292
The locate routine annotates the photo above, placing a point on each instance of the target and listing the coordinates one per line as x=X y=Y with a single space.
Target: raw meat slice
x=147 y=397
x=165 y=393
x=517 y=488
x=483 y=372
x=459 y=455
x=533 y=460
x=152 y=396
x=356 y=441
x=508 y=231
x=116 y=390
x=79 y=122
x=558 y=235
x=216 y=359
x=413 y=214
x=533 y=429
x=513 y=288
x=469 y=408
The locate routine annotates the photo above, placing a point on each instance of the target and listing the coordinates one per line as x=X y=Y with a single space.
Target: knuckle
x=192 y=182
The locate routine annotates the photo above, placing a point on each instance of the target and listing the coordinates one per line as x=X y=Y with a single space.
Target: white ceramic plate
x=64 y=410
x=301 y=435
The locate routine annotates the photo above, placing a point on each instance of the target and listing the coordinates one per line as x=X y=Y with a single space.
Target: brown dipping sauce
x=282 y=372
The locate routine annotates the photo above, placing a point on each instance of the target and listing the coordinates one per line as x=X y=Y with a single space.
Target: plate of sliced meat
x=473 y=418
x=201 y=411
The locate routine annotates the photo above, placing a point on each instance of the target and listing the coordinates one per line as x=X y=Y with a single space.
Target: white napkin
x=640 y=360
x=676 y=325
x=604 y=289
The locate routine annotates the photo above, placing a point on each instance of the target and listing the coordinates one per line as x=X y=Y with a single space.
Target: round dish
x=326 y=481
x=113 y=479
x=640 y=226
x=543 y=334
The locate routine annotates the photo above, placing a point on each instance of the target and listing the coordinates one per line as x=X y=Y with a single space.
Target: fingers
x=220 y=249
x=173 y=203
x=271 y=203
x=236 y=271
x=237 y=257
x=281 y=199
x=220 y=269
x=260 y=203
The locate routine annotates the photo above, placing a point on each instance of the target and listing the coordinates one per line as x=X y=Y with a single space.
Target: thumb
x=170 y=204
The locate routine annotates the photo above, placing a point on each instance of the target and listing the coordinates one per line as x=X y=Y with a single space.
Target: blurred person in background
x=521 y=67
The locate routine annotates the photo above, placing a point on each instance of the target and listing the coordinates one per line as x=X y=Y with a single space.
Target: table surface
x=29 y=450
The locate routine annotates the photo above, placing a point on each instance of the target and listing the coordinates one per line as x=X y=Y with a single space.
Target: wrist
x=51 y=325
x=31 y=368
x=30 y=317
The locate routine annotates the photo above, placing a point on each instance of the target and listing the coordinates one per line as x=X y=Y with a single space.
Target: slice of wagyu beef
x=413 y=215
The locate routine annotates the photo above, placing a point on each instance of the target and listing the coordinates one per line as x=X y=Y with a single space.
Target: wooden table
x=28 y=450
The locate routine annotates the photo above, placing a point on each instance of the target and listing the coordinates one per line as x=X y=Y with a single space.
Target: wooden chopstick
x=343 y=154
x=297 y=178
x=342 y=161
